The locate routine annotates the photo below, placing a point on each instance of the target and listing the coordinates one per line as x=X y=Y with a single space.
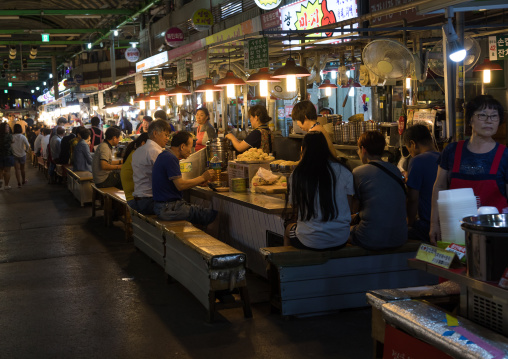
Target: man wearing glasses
x=142 y=164
x=479 y=163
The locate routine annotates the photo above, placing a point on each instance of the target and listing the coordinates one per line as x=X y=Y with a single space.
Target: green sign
x=256 y=53
x=45 y=37
x=6 y=91
x=150 y=83
x=498 y=47
x=9 y=84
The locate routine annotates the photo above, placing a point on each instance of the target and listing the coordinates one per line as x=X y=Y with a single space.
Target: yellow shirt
x=126 y=175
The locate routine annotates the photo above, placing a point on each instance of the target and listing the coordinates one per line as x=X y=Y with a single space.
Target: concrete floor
x=71 y=288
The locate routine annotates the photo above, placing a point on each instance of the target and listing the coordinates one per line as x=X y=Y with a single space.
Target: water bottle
x=216 y=166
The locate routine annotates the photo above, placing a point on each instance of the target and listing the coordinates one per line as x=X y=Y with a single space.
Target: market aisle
x=71 y=288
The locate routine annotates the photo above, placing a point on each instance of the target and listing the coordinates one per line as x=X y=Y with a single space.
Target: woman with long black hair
x=320 y=193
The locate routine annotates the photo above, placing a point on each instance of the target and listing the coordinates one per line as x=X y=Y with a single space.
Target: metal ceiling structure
x=71 y=24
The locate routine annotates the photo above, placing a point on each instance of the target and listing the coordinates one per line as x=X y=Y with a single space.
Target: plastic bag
x=267 y=175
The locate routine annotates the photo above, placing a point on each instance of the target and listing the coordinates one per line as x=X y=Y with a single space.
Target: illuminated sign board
x=309 y=14
x=45 y=37
x=151 y=62
x=268 y=4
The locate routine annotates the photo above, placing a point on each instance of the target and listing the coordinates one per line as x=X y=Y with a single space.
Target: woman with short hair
x=479 y=163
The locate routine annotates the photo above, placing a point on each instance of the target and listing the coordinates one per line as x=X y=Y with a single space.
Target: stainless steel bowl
x=285 y=168
x=274 y=167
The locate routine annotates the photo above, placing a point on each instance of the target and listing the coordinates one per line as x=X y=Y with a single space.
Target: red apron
x=483 y=185
x=199 y=139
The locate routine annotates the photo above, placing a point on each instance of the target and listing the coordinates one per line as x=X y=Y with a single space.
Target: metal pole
x=55 y=77
x=459 y=101
x=112 y=62
x=449 y=82
x=245 y=111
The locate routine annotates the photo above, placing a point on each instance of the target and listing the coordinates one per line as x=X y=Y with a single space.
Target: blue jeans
x=183 y=211
x=143 y=205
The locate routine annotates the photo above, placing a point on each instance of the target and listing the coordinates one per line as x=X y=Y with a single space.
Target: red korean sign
x=174 y=37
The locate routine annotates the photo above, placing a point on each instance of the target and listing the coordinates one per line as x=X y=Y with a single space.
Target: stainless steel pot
x=486 y=245
x=219 y=147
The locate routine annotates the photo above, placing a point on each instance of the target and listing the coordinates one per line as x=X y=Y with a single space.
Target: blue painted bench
x=304 y=283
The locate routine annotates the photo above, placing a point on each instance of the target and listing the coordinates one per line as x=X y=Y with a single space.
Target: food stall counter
x=247 y=221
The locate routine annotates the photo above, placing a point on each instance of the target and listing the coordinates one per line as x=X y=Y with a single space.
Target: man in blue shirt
x=422 y=173
x=168 y=184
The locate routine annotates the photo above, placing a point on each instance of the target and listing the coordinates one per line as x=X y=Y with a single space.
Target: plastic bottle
x=216 y=166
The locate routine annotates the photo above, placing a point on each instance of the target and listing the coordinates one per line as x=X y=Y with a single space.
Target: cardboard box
x=243 y=170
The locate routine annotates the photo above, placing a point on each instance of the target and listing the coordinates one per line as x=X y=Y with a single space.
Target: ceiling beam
x=64 y=12
x=58 y=42
x=51 y=31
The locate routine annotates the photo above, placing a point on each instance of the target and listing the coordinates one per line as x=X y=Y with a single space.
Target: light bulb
x=162 y=100
x=458 y=56
x=263 y=88
x=352 y=91
x=291 y=83
x=408 y=83
x=230 y=90
x=179 y=99
x=334 y=75
x=209 y=96
x=486 y=76
x=142 y=105
x=132 y=101
x=152 y=104
x=328 y=91
x=89 y=45
x=50 y=76
x=44 y=83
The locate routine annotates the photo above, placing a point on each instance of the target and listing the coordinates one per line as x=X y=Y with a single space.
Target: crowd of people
x=387 y=207
x=374 y=205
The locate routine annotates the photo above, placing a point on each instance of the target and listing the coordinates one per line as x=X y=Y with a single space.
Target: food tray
x=253 y=161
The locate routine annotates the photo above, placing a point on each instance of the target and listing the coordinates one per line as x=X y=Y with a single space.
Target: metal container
x=239 y=184
x=486 y=245
x=274 y=167
x=220 y=147
x=341 y=133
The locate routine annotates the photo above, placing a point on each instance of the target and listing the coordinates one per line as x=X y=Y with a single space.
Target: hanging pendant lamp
x=290 y=71
x=263 y=77
x=230 y=81
x=208 y=88
x=487 y=67
x=179 y=92
x=327 y=86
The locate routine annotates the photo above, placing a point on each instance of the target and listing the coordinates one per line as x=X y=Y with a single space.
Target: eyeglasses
x=483 y=117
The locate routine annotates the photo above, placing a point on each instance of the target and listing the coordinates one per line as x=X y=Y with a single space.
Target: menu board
x=256 y=53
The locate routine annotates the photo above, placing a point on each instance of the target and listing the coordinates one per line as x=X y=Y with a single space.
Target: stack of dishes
x=453 y=205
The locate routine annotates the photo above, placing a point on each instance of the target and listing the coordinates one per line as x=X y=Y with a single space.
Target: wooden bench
x=112 y=201
x=201 y=263
x=80 y=184
x=304 y=282
x=61 y=171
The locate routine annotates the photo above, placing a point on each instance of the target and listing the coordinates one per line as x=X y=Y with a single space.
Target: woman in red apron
x=479 y=163
x=205 y=130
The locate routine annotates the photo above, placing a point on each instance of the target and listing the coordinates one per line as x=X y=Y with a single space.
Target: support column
x=459 y=101
x=55 y=77
x=112 y=59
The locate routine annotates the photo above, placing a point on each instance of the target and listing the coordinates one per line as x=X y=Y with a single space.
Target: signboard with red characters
x=173 y=37
x=132 y=54
x=309 y=14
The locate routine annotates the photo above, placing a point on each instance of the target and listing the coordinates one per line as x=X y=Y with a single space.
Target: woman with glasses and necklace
x=479 y=163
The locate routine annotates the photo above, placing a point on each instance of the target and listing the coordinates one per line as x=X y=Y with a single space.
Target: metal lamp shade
x=291 y=69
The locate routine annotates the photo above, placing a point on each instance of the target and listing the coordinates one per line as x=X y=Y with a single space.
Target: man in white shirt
x=45 y=143
x=37 y=143
x=142 y=163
